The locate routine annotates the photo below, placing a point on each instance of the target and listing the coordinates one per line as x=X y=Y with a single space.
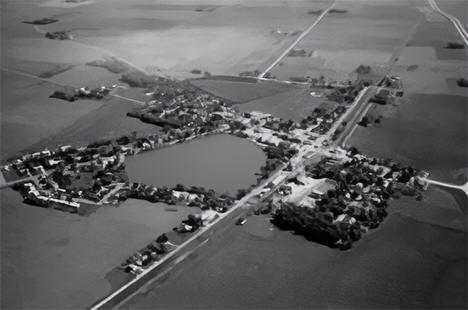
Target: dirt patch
x=43 y=21
x=111 y=64
x=59 y=68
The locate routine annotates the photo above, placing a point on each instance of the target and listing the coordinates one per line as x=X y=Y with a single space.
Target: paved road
x=458 y=25
x=225 y=218
x=109 y=194
x=463 y=187
x=362 y=106
x=5 y=184
x=297 y=40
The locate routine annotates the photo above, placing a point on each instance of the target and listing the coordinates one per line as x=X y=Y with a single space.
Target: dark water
x=220 y=162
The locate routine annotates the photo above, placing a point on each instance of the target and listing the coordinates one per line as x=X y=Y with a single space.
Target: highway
x=348 y=132
x=458 y=26
x=362 y=105
x=226 y=218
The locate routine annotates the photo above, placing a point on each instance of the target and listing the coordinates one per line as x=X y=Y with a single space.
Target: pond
x=221 y=162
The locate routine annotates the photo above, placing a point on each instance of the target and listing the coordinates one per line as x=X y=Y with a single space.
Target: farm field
x=46 y=248
x=193 y=35
x=457 y=8
x=416 y=258
x=28 y=115
x=107 y=122
x=240 y=91
x=407 y=263
x=360 y=33
x=294 y=104
x=430 y=130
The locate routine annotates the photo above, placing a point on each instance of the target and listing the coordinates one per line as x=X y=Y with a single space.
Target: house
x=323 y=187
x=26 y=157
x=65 y=148
x=208 y=216
x=51 y=162
x=38 y=169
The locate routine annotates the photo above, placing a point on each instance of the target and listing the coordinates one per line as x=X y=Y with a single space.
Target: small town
x=235 y=154
x=332 y=201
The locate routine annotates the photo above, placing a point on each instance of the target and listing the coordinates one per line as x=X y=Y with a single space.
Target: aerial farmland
x=233 y=154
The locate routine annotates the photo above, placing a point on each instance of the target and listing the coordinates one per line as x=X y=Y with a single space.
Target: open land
x=416 y=258
x=428 y=131
x=290 y=105
x=271 y=267
x=428 y=127
x=421 y=269
x=44 y=249
x=457 y=8
x=368 y=33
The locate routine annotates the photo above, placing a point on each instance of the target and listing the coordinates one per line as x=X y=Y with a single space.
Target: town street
x=238 y=209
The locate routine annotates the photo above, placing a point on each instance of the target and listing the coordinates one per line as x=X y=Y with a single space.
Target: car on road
x=241 y=221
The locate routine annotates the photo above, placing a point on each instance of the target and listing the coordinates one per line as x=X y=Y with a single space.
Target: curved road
x=463 y=187
x=458 y=25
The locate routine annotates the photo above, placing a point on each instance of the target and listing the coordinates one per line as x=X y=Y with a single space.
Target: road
x=32 y=76
x=463 y=187
x=109 y=194
x=103 y=50
x=297 y=40
x=279 y=177
x=458 y=25
x=363 y=105
x=5 y=184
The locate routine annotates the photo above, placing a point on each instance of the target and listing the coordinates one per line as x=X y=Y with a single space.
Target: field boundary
x=303 y=34
x=452 y=19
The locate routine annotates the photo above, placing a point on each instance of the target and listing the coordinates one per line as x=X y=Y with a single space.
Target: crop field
x=53 y=259
x=193 y=35
x=425 y=65
x=361 y=32
x=106 y=122
x=457 y=8
x=271 y=267
x=241 y=91
x=28 y=115
x=294 y=104
x=429 y=131
x=168 y=39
